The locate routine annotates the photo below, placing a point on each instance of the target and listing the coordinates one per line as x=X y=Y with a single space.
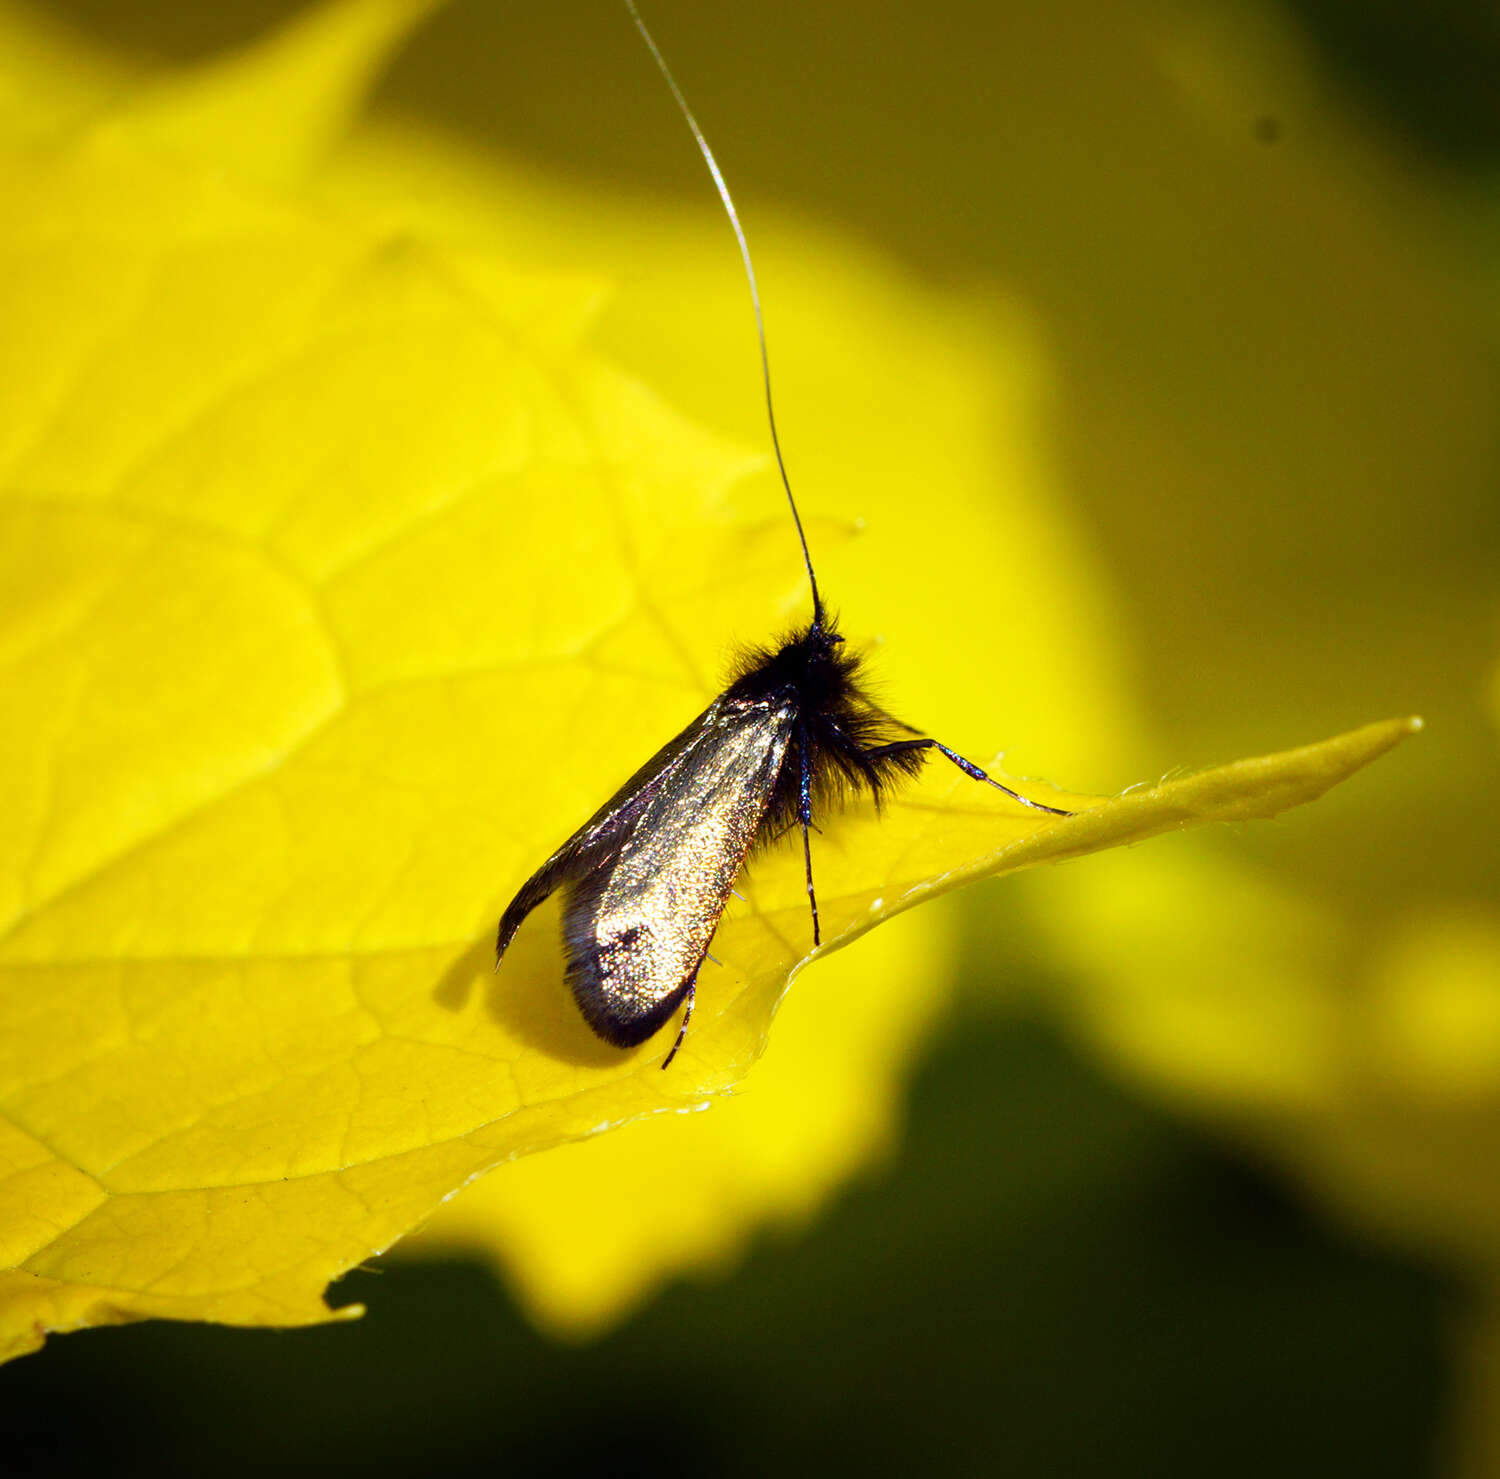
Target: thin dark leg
x=804 y=815
x=779 y=835
x=967 y=766
x=686 y=1017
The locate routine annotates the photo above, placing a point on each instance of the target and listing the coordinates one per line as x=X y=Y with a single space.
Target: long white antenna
x=760 y=323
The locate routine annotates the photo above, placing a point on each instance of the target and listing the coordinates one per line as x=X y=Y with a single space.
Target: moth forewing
x=642 y=902
x=592 y=843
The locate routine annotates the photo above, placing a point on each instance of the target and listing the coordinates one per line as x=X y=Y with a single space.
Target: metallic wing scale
x=646 y=878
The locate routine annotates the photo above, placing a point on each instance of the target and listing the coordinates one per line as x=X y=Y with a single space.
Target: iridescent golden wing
x=645 y=880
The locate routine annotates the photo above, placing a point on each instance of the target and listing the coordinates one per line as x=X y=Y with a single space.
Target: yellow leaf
x=340 y=582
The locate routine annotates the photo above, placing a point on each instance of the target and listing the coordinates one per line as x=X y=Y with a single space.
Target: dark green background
x=1052 y=1278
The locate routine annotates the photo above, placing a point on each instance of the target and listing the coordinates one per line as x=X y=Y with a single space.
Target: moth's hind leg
x=804 y=820
x=804 y=817
x=692 y=995
x=901 y=747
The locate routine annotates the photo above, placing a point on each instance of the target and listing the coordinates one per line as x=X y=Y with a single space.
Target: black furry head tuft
x=838 y=727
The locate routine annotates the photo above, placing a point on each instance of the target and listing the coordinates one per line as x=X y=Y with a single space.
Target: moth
x=646 y=879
